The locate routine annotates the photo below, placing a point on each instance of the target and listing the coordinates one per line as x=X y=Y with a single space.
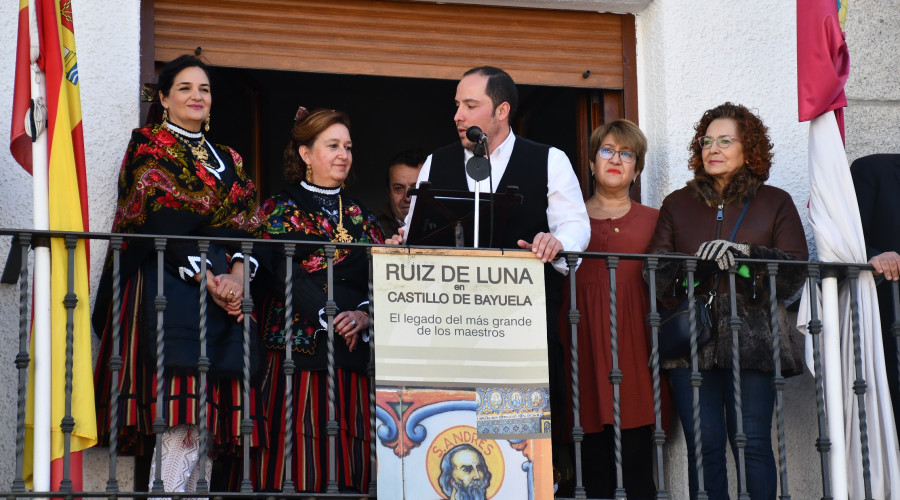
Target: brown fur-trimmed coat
x=773 y=230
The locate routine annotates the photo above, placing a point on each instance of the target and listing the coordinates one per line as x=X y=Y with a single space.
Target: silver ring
x=353 y=322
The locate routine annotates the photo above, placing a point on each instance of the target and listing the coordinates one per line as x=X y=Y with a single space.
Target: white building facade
x=691 y=55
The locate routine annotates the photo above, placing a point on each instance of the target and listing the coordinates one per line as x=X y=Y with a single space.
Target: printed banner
x=463 y=319
x=462 y=398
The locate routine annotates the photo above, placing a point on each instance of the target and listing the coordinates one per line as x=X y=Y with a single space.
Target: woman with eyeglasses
x=618 y=224
x=731 y=155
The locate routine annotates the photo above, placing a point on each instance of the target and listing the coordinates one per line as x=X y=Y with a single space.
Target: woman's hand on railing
x=349 y=324
x=722 y=252
x=887 y=264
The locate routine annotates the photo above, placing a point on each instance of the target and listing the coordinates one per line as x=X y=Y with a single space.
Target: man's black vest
x=527 y=169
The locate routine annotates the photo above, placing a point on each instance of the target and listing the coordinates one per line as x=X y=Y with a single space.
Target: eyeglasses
x=724 y=141
x=625 y=156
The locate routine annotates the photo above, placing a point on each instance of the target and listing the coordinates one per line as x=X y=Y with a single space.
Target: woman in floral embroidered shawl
x=174 y=182
x=314 y=208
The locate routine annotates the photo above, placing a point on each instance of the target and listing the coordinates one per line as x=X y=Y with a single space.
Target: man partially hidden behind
x=464 y=474
x=876 y=179
x=403 y=170
x=552 y=218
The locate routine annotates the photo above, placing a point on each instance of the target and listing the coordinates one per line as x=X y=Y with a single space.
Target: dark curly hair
x=307 y=128
x=753 y=134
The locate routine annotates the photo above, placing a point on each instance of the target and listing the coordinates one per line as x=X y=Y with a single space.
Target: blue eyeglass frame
x=615 y=152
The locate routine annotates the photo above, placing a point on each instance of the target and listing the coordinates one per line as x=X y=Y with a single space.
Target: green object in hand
x=742 y=271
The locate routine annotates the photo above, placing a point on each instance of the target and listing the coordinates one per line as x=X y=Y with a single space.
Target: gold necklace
x=341 y=234
x=610 y=214
x=198 y=151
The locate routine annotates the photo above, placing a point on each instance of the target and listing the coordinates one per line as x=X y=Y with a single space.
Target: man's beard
x=474 y=491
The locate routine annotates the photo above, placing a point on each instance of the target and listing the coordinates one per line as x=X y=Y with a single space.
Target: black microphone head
x=474 y=133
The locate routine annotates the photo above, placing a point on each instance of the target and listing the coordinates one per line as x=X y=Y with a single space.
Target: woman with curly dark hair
x=731 y=155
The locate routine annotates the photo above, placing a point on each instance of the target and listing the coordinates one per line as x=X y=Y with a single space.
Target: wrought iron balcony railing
x=850 y=273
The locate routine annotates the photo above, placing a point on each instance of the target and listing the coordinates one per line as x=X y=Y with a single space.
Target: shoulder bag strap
x=731 y=238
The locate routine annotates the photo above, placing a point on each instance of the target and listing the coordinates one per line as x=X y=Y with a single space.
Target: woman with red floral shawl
x=174 y=182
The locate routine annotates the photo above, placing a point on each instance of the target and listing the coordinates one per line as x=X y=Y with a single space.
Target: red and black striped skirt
x=310 y=457
x=137 y=403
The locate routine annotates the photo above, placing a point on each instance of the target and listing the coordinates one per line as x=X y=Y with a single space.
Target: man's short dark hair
x=409 y=157
x=500 y=88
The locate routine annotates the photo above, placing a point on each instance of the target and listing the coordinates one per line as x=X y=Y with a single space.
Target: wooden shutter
x=394 y=38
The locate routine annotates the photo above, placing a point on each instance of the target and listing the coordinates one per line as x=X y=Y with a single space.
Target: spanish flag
x=68 y=211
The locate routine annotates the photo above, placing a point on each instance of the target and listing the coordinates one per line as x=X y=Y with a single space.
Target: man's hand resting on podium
x=396 y=239
x=545 y=246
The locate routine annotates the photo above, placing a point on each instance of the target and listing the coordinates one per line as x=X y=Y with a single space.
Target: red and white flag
x=68 y=211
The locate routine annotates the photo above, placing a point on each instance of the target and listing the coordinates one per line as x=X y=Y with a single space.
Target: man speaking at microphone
x=552 y=217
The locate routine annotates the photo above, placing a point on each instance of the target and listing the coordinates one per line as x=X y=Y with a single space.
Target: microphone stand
x=487 y=155
x=482 y=148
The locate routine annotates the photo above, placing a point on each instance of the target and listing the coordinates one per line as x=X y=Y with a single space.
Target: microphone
x=474 y=134
x=479 y=166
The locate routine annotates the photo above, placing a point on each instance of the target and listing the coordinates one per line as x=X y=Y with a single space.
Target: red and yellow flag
x=68 y=211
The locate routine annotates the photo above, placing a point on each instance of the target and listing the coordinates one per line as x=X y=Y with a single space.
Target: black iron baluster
x=577 y=430
x=115 y=365
x=696 y=378
x=615 y=374
x=778 y=381
x=740 y=438
x=246 y=421
x=859 y=384
x=370 y=372
x=823 y=443
x=659 y=435
x=159 y=423
x=203 y=369
x=289 y=365
x=22 y=362
x=332 y=425
x=67 y=425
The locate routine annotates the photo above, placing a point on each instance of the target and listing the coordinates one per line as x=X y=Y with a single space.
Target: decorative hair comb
x=302 y=113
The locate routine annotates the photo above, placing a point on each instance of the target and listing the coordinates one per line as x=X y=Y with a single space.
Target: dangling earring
x=206 y=123
x=309 y=173
x=165 y=116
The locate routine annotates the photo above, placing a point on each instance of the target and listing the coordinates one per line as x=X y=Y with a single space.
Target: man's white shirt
x=567 y=216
